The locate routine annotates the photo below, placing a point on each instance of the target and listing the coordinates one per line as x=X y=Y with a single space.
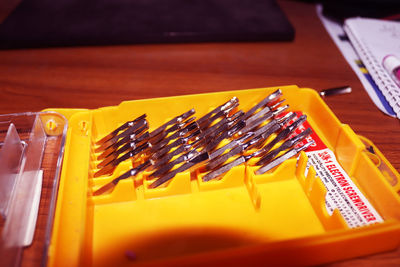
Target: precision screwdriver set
x=184 y=142
x=239 y=177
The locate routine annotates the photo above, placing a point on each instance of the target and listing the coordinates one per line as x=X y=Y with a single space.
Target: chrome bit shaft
x=291 y=153
x=120 y=128
x=201 y=157
x=284 y=146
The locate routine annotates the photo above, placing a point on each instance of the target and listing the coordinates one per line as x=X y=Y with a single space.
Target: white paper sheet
x=338 y=35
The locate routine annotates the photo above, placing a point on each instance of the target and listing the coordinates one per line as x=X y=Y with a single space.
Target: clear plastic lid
x=31 y=151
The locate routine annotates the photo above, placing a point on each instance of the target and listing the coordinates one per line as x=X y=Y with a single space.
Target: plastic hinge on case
x=380 y=161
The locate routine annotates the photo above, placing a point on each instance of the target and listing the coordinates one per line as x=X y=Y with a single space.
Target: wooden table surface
x=92 y=77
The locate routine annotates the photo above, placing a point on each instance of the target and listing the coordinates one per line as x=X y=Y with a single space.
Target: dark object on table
x=340 y=10
x=41 y=23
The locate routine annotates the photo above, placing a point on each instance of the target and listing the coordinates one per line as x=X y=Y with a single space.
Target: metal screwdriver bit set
x=220 y=178
x=213 y=144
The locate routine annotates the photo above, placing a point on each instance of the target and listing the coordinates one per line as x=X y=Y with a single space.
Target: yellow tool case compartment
x=279 y=217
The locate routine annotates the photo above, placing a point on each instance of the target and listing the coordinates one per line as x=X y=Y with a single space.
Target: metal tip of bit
x=160 y=170
x=286 y=118
x=223 y=169
x=111 y=149
x=221 y=150
x=280 y=110
x=105 y=154
x=184 y=116
x=277 y=161
x=105 y=145
x=157 y=183
x=181 y=133
x=186 y=122
x=177 y=119
x=266 y=130
x=132 y=127
x=232 y=102
x=105 y=171
x=224 y=157
x=267 y=100
x=274 y=96
x=276 y=93
x=252 y=125
x=114 y=160
x=107 y=188
x=198 y=158
x=236 y=115
x=286 y=145
x=105 y=139
x=277 y=104
x=286 y=131
x=206 y=124
x=305 y=146
x=106 y=161
x=299 y=121
x=217 y=112
x=264 y=113
x=302 y=135
x=120 y=128
x=113 y=152
x=129 y=134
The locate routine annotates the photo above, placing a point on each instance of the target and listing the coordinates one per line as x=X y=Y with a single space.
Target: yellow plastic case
x=242 y=219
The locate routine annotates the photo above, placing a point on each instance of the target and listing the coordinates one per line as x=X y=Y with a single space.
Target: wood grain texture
x=92 y=77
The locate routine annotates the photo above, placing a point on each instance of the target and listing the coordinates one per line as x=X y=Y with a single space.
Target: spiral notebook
x=373 y=40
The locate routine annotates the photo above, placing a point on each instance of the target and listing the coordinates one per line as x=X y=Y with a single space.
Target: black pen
x=335 y=91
